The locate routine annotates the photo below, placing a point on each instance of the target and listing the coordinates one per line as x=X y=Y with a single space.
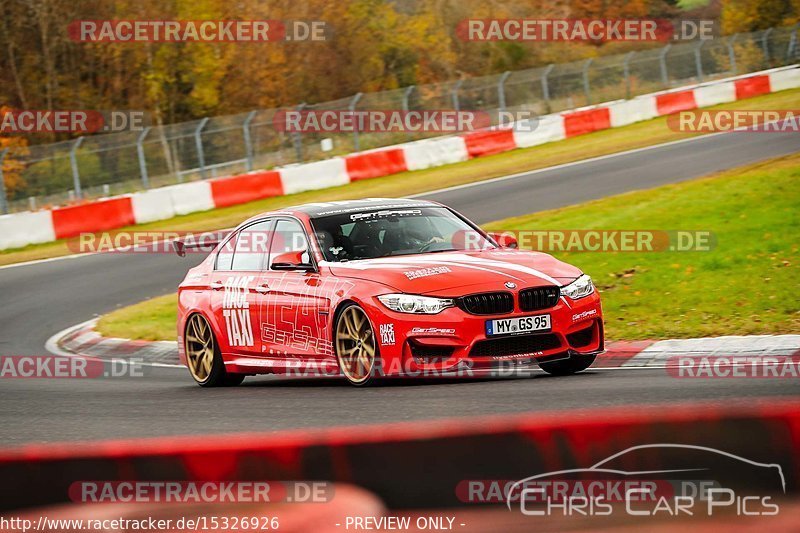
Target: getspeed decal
x=236 y=310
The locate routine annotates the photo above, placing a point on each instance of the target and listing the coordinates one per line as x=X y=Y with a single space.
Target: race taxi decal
x=236 y=310
x=387 y=334
x=425 y=272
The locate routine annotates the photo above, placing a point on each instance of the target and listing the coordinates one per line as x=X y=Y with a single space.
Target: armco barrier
x=317 y=175
x=376 y=163
x=752 y=86
x=191 y=197
x=488 y=142
x=152 y=205
x=586 y=121
x=435 y=152
x=96 y=216
x=715 y=93
x=159 y=204
x=675 y=102
x=22 y=229
x=246 y=188
x=420 y=465
x=630 y=111
x=545 y=129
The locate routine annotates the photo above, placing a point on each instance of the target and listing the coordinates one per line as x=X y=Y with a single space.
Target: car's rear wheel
x=565 y=367
x=354 y=341
x=203 y=357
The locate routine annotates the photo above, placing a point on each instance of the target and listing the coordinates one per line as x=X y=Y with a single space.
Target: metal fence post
x=662 y=58
x=765 y=45
x=586 y=88
x=698 y=61
x=406 y=107
x=792 y=42
x=3 y=197
x=732 y=52
x=545 y=87
x=454 y=94
x=352 y=108
x=501 y=90
x=73 y=160
x=142 y=160
x=297 y=139
x=248 y=142
x=626 y=69
x=198 y=142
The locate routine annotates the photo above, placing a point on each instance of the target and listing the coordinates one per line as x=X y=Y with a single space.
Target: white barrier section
x=190 y=197
x=152 y=205
x=715 y=93
x=429 y=153
x=627 y=112
x=22 y=229
x=312 y=176
x=784 y=79
x=541 y=130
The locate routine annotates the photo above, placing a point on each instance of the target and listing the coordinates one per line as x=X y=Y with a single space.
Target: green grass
x=595 y=144
x=152 y=319
x=748 y=284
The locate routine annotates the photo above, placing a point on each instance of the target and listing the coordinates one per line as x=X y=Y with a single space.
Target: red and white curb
x=84 y=340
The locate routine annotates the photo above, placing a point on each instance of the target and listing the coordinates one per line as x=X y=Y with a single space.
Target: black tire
x=357 y=374
x=200 y=345
x=565 y=367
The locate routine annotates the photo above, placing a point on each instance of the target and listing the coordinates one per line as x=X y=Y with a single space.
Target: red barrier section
x=96 y=216
x=246 y=188
x=375 y=164
x=750 y=87
x=581 y=122
x=488 y=142
x=675 y=102
x=418 y=465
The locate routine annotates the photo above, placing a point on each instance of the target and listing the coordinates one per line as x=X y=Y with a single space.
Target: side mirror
x=505 y=240
x=291 y=261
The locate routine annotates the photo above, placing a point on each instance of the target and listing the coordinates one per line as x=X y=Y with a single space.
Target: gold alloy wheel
x=199 y=344
x=355 y=345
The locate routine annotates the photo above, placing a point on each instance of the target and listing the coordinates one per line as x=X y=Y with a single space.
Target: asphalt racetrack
x=41 y=299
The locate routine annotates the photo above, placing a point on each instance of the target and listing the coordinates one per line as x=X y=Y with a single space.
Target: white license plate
x=518 y=325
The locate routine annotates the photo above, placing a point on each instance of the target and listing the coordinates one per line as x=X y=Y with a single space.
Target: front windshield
x=383 y=233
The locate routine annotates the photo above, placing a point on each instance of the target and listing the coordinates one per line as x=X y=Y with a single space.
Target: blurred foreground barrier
x=425 y=464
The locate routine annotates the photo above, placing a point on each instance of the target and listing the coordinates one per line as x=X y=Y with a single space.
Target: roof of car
x=320 y=209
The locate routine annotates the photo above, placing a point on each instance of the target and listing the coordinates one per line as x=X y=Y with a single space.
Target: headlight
x=579 y=288
x=410 y=303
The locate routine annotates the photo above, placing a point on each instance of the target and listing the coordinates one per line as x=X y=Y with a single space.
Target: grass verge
x=746 y=285
x=595 y=144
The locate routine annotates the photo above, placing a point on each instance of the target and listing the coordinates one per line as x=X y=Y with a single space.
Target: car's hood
x=460 y=272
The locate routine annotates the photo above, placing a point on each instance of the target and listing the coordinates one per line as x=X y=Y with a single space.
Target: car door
x=295 y=310
x=236 y=288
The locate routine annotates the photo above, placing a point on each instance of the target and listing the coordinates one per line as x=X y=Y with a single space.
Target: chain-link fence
x=101 y=165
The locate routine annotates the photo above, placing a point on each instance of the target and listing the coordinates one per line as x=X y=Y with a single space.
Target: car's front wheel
x=354 y=342
x=203 y=357
x=564 y=367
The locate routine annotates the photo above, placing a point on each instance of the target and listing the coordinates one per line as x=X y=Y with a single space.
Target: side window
x=251 y=246
x=289 y=237
x=225 y=255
